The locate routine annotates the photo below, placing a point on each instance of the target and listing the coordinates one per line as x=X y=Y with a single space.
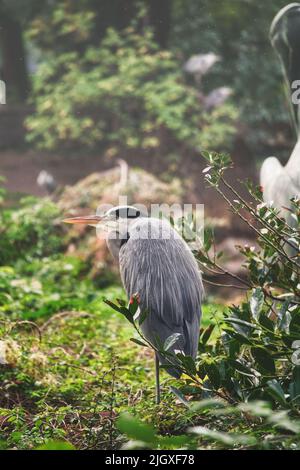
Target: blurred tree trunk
x=13 y=70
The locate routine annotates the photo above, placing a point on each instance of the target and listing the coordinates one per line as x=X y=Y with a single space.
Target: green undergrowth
x=75 y=380
x=70 y=375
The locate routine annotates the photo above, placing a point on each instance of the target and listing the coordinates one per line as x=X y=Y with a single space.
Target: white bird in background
x=46 y=181
x=217 y=97
x=281 y=183
x=198 y=65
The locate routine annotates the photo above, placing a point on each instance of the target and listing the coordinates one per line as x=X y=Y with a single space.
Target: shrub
x=30 y=231
x=228 y=29
x=124 y=95
x=257 y=356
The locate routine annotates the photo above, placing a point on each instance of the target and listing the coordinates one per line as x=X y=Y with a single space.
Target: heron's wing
x=270 y=174
x=292 y=167
x=279 y=185
x=166 y=276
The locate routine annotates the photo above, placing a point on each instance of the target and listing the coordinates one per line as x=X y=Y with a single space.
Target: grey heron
x=281 y=183
x=156 y=263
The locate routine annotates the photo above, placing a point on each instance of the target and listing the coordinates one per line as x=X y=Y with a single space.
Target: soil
x=21 y=168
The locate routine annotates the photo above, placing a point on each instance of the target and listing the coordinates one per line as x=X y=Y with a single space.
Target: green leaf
x=266 y=323
x=177 y=442
x=240 y=338
x=188 y=363
x=276 y=391
x=142 y=317
x=294 y=388
x=264 y=359
x=284 y=317
x=123 y=310
x=222 y=437
x=295 y=323
x=139 y=342
x=207 y=333
x=282 y=420
x=242 y=368
x=180 y=396
x=208 y=239
x=133 y=305
x=241 y=322
x=112 y=305
x=257 y=408
x=208 y=404
x=213 y=373
x=135 y=429
x=257 y=302
x=56 y=445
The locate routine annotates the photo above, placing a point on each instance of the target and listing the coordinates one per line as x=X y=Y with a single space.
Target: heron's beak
x=87 y=220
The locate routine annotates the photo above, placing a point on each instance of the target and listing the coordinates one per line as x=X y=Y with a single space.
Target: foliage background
x=236 y=30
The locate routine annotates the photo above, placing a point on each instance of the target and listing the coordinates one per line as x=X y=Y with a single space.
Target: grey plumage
x=165 y=274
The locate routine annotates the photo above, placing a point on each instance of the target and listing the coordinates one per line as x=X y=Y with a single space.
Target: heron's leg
x=157 y=386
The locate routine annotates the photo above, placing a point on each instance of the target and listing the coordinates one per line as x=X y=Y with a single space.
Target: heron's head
x=115 y=223
x=115 y=219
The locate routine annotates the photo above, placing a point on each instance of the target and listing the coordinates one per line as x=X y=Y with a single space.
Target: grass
x=71 y=374
x=73 y=383
x=67 y=383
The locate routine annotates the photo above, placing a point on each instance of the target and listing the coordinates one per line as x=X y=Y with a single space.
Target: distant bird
x=199 y=64
x=46 y=181
x=156 y=263
x=281 y=183
x=217 y=97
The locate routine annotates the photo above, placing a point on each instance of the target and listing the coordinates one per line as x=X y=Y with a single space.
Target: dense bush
x=36 y=277
x=32 y=231
x=259 y=346
x=125 y=94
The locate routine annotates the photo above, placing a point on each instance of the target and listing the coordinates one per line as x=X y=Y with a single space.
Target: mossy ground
x=70 y=379
x=74 y=382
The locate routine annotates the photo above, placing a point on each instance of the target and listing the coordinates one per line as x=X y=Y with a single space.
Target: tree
x=238 y=31
x=13 y=67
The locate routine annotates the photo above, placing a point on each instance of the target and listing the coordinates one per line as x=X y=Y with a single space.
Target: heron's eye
x=126 y=213
x=133 y=214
